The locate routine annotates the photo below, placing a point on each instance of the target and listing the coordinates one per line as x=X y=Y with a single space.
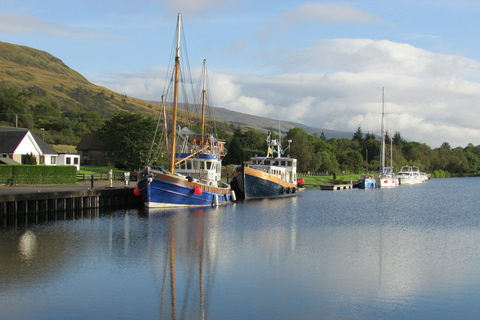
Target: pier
x=28 y=200
x=332 y=187
x=335 y=187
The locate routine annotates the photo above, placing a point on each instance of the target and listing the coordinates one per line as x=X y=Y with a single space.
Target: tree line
x=314 y=152
x=360 y=154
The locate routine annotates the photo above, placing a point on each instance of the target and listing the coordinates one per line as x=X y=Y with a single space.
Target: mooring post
x=110 y=177
x=91 y=182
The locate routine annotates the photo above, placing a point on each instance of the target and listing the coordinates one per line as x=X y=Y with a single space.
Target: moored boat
x=366 y=182
x=266 y=177
x=195 y=160
x=386 y=178
x=411 y=175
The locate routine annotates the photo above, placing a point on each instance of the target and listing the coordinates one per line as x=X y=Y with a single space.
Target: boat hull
x=161 y=190
x=386 y=182
x=408 y=180
x=248 y=183
x=367 y=183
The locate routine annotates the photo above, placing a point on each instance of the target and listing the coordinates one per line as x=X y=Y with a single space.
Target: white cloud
x=251 y=105
x=428 y=96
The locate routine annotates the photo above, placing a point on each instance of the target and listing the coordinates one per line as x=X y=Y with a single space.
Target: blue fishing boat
x=193 y=178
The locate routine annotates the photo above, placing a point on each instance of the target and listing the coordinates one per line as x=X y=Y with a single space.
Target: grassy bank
x=322 y=180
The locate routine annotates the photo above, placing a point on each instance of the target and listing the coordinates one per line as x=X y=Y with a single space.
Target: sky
x=319 y=63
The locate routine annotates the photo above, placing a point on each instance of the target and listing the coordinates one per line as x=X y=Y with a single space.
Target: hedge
x=37 y=174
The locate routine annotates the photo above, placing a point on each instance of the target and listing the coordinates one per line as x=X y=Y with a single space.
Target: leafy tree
x=445 y=146
x=252 y=140
x=128 y=136
x=328 y=162
x=301 y=149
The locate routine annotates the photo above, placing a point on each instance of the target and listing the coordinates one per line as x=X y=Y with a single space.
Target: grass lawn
x=89 y=170
x=328 y=179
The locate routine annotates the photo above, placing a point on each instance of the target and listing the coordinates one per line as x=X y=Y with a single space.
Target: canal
x=410 y=252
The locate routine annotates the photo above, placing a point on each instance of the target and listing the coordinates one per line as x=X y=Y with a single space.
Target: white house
x=16 y=143
x=69 y=159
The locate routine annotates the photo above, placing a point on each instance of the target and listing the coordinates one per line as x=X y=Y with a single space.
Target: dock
x=22 y=200
x=335 y=187
x=332 y=187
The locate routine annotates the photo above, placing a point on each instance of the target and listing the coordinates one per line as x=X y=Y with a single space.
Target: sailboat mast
x=382 y=156
x=175 y=96
x=204 y=95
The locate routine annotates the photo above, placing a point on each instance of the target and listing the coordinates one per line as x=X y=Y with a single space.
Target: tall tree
x=128 y=136
x=358 y=135
x=301 y=149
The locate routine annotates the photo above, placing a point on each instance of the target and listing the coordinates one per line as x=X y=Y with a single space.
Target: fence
x=101 y=176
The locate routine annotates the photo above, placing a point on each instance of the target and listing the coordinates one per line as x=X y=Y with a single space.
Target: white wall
x=69 y=159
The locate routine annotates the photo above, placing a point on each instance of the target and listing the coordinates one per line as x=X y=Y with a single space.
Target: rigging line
x=153 y=141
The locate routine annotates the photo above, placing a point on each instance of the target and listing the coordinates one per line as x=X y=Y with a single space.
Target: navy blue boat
x=266 y=177
x=193 y=178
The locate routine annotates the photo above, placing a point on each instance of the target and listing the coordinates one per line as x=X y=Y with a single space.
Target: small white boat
x=411 y=175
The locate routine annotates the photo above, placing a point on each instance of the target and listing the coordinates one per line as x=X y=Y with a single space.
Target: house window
x=53 y=160
x=75 y=160
x=68 y=160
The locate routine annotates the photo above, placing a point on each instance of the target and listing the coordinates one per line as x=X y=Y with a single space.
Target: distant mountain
x=242 y=119
x=25 y=68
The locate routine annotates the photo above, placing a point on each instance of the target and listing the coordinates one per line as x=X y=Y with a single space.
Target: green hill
x=25 y=68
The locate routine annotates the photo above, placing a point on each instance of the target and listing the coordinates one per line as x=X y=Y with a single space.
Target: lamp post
x=43 y=129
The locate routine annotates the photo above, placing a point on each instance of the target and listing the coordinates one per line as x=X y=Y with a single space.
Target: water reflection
x=349 y=254
x=27 y=245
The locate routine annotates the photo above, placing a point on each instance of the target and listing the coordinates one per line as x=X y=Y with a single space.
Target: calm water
x=411 y=252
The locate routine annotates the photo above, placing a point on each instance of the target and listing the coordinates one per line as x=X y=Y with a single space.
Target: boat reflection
x=182 y=251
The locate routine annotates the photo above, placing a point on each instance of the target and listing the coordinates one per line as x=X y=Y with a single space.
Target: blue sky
x=321 y=63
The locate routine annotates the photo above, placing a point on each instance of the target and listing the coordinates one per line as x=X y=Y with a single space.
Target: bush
x=37 y=174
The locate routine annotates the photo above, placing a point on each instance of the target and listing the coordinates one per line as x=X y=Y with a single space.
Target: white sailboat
x=386 y=178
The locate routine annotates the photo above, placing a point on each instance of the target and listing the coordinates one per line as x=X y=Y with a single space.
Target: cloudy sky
x=321 y=63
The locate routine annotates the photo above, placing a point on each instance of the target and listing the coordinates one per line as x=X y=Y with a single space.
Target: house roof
x=90 y=141
x=11 y=137
x=8 y=161
x=45 y=147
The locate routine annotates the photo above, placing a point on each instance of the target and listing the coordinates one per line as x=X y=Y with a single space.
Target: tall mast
x=175 y=96
x=204 y=96
x=382 y=156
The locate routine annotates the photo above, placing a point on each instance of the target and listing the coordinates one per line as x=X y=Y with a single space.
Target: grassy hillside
x=25 y=68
